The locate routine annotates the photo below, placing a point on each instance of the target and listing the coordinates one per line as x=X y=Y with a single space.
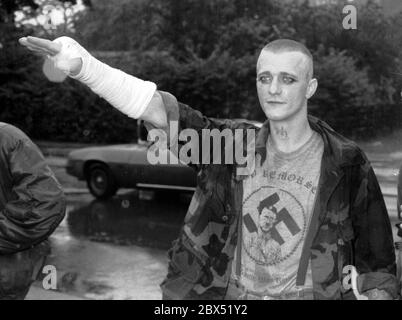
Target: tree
x=192 y=27
x=50 y=18
x=116 y=25
x=373 y=44
x=205 y=53
x=9 y=7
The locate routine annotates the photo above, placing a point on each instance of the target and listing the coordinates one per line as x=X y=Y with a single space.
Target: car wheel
x=100 y=181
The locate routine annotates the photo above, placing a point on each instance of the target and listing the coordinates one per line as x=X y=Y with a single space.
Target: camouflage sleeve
x=190 y=118
x=181 y=117
x=373 y=246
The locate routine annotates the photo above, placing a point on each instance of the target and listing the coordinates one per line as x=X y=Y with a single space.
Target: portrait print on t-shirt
x=273 y=234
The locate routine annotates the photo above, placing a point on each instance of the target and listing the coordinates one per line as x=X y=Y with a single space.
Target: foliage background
x=205 y=53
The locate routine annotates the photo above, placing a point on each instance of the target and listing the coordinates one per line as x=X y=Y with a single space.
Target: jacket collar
x=338 y=151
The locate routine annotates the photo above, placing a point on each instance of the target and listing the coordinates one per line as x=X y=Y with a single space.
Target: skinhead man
x=32 y=205
x=316 y=187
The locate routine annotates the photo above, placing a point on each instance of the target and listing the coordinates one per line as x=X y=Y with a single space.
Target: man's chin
x=275 y=114
x=284 y=113
x=274 y=117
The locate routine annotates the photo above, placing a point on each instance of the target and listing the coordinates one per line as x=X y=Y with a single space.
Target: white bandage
x=128 y=94
x=70 y=49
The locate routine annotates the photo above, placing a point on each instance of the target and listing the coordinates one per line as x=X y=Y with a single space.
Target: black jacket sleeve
x=33 y=202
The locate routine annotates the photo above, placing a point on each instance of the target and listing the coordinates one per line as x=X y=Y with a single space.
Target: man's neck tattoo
x=282 y=133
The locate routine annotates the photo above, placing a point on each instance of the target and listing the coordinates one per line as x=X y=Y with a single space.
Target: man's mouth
x=275 y=102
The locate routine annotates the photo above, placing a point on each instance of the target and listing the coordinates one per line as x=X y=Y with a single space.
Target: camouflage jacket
x=352 y=224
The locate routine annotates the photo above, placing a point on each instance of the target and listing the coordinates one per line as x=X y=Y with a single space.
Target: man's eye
x=264 y=79
x=288 y=80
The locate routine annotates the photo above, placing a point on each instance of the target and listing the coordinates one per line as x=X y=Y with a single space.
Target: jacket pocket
x=186 y=264
x=186 y=268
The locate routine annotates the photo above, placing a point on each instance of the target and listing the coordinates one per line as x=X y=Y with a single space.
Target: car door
x=170 y=175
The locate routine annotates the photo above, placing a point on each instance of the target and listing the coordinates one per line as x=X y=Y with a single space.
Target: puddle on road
x=129 y=221
x=116 y=249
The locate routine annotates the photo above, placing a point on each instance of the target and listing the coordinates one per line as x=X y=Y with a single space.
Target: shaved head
x=284 y=79
x=287 y=45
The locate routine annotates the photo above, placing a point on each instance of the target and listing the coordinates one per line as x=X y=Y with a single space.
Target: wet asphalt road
x=116 y=249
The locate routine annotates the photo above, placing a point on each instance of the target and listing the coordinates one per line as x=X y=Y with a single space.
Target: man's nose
x=274 y=87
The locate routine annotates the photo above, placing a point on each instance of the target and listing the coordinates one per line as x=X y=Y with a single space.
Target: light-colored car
x=108 y=168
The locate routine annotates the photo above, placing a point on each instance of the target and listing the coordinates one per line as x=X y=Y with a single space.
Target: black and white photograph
x=228 y=150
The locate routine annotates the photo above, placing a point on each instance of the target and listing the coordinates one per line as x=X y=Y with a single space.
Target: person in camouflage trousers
x=309 y=210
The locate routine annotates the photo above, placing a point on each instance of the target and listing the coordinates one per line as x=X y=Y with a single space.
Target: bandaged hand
x=65 y=52
x=128 y=94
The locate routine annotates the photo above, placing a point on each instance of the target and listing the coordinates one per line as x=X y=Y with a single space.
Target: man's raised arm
x=132 y=96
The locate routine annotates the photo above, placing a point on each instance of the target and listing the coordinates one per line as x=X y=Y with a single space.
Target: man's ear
x=311 y=88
